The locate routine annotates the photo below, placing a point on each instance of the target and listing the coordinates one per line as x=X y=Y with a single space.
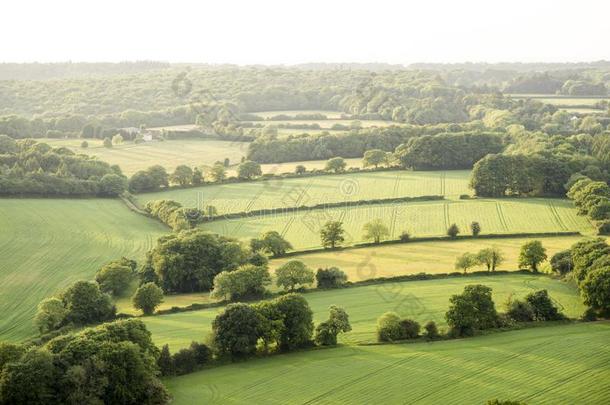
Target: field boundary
x=350 y=284
x=435 y=239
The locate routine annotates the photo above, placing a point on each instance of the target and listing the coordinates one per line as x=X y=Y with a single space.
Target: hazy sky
x=273 y=32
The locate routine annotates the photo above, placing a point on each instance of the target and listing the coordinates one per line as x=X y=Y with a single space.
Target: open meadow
x=420 y=300
x=545 y=365
x=46 y=244
x=132 y=157
x=313 y=190
x=419 y=219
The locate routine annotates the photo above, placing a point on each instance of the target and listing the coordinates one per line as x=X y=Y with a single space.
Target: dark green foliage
x=293 y=273
x=409 y=329
x=114 y=277
x=520 y=311
x=585 y=253
x=249 y=170
x=247 y=282
x=10 y=352
x=147 y=298
x=453 y=231
x=37 y=169
x=327 y=331
x=184 y=361
x=388 y=327
x=595 y=289
x=471 y=311
x=271 y=242
x=504 y=402
x=447 y=151
x=542 y=306
x=431 y=330
x=298 y=321
x=172 y=214
x=31 y=380
x=165 y=362
x=519 y=175
x=531 y=255
x=330 y=277
x=114 y=363
x=189 y=261
x=86 y=304
x=150 y=179
x=237 y=330
x=182 y=175
x=561 y=262
x=475 y=228
x=332 y=234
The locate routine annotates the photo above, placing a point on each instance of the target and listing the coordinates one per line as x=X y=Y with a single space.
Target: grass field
x=46 y=244
x=314 y=190
x=419 y=257
x=564 y=364
x=389 y=260
x=419 y=300
x=169 y=154
x=420 y=219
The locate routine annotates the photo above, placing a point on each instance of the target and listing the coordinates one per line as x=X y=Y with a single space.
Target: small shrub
x=543 y=307
x=453 y=231
x=562 y=263
x=520 y=311
x=431 y=330
x=331 y=277
x=409 y=329
x=388 y=327
x=475 y=228
x=405 y=236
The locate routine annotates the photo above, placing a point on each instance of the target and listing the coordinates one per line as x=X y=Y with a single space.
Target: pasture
x=46 y=244
x=169 y=154
x=419 y=257
x=419 y=300
x=562 y=364
x=420 y=219
x=294 y=192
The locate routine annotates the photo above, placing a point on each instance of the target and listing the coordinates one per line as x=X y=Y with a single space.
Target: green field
x=420 y=219
x=390 y=260
x=419 y=257
x=46 y=244
x=419 y=300
x=278 y=193
x=169 y=154
x=564 y=364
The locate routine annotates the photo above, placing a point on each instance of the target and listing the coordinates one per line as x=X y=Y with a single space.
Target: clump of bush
x=390 y=328
x=174 y=215
x=331 y=277
x=471 y=311
x=185 y=360
x=327 y=331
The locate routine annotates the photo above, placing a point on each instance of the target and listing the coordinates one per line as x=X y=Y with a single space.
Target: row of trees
x=469 y=312
x=592 y=199
x=28 y=167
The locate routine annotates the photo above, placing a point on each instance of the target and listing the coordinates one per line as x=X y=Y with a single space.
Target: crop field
x=412 y=258
x=280 y=193
x=169 y=154
x=419 y=300
x=420 y=219
x=47 y=244
x=563 y=364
